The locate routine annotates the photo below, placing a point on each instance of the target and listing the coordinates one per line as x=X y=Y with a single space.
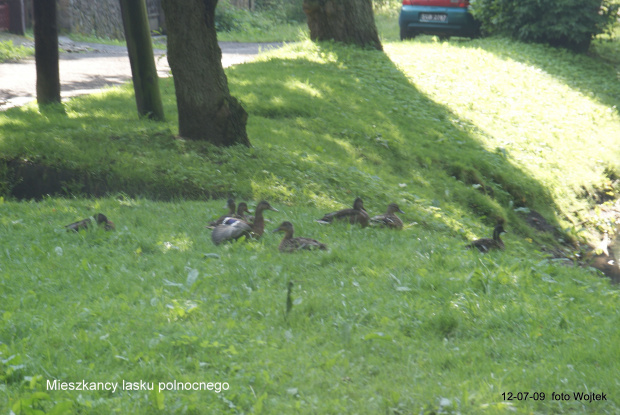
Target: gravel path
x=86 y=68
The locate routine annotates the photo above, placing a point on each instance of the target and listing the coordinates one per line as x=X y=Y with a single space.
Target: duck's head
x=242 y=208
x=393 y=208
x=358 y=204
x=285 y=227
x=264 y=205
x=103 y=219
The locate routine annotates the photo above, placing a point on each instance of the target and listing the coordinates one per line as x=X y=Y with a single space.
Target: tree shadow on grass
x=386 y=128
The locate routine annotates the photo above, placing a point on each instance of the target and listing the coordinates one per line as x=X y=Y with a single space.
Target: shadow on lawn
x=429 y=140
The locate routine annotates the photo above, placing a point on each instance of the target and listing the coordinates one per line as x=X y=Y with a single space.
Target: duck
x=485 y=245
x=234 y=228
x=101 y=219
x=290 y=244
x=389 y=219
x=230 y=204
x=356 y=215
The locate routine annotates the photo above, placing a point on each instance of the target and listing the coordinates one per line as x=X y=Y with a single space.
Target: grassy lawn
x=459 y=134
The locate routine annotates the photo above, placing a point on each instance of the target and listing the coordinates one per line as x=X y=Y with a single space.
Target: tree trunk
x=347 y=21
x=16 y=17
x=46 y=51
x=207 y=111
x=143 y=69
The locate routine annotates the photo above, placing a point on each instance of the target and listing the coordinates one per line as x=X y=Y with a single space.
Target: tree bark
x=207 y=111
x=46 y=52
x=347 y=21
x=143 y=69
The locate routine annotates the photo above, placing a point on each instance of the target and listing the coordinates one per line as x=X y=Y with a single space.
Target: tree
x=46 y=52
x=207 y=111
x=143 y=69
x=347 y=21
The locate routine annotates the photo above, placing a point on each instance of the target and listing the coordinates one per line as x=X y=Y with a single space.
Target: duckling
x=232 y=228
x=101 y=219
x=230 y=204
x=355 y=215
x=389 y=219
x=485 y=245
x=290 y=244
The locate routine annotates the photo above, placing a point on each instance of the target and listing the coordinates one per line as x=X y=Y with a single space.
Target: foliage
x=264 y=24
x=11 y=52
x=565 y=23
x=285 y=10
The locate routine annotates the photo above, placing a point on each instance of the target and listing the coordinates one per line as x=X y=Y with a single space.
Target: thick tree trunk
x=347 y=21
x=207 y=111
x=46 y=51
x=143 y=69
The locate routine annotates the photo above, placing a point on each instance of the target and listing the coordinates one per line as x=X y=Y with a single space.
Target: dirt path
x=88 y=67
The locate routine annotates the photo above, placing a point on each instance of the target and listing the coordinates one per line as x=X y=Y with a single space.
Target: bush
x=569 y=24
x=286 y=11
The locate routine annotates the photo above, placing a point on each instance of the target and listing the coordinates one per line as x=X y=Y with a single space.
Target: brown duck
x=233 y=228
x=355 y=215
x=290 y=244
x=488 y=244
x=389 y=219
x=101 y=219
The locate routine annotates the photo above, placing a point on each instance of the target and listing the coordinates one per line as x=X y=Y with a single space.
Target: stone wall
x=101 y=18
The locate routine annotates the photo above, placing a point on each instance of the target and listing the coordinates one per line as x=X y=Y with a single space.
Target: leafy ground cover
x=392 y=322
x=11 y=52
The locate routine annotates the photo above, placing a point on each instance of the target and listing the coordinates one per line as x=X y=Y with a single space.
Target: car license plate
x=434 y=17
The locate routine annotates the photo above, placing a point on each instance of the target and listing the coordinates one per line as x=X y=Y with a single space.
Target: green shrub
x=283 y=10
x=569 y=24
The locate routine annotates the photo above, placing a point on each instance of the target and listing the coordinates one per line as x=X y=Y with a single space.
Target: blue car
x=444 y=18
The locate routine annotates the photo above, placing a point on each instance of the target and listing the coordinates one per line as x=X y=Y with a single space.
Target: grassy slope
x=387 y=321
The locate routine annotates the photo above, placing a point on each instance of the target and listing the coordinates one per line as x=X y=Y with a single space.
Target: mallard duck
x=290 y=244
x=355 y=215
x=101 y=219
x=389 y=219
x=233 y=228
x=230 y=204
x=488 y=244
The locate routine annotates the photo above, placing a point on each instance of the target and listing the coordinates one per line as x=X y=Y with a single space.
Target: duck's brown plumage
x=290 y=244
x=356 y=215
x=488 y=244
x=389 y=219
x=101 y=219
x=230 y=204
x=232 y=228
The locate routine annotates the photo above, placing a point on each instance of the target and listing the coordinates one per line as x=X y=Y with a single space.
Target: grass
x=9 y=52
x=458 y=133
x=429 y=331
